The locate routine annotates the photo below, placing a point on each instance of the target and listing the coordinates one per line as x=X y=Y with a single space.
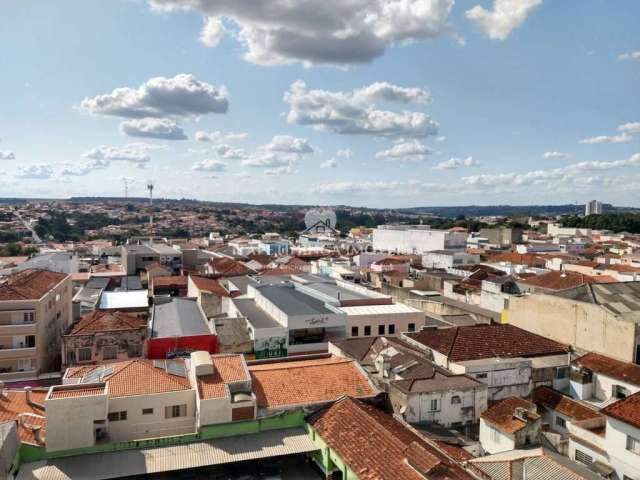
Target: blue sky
x=362 y=102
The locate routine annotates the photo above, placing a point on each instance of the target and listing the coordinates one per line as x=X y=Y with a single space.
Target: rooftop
x=177 y=317
x=132 y=377
x=170 y=281
x=210 y=285
x=136 y=299
x=31 y=284
x=391 y=309
x=375 y=446
x=626 y=410
x=502 y=414
x=294 y=302
x=610 y=367
x=486 y=341
x=555 y=400
x=14 y=402
x=307 y=381
x=256 y=316
x=106 y=321
x=227 y=369
x=559 y=280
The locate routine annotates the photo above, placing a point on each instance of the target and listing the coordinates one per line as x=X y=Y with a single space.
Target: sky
x=378 y=103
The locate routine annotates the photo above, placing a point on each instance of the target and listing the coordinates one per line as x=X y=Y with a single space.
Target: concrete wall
x=410 y=241
x=123 y=341
x=138 y=426
x=504 y=378
x=493 y=440
x=624 y=461
x=401 y=322
x=585 y=326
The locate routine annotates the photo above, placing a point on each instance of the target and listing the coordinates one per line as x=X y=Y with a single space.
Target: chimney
x=30 y=402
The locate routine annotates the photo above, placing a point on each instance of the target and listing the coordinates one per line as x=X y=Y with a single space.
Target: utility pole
x=150 y=188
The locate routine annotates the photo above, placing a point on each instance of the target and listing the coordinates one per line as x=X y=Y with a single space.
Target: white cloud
x=405 y=150
x=354 y=112
x=506 y=16
x=345 y=153
x=163 y=128
x=219 y=136
x=622 y=138
x=85 y=168
x=284 y=170
x=137 y=153
x=268 y=159
x=388 y=188
x=454 y=163
x=7 y=156
x=556 y=156
x=227 y=152
x=289 y=144
x=281 y=151
x=630 y=56
x=333 y=32
x=629 y=127
x=209 y=165
x=330 y=163
x=212 y=32
x=181 y=96
x=39 y=171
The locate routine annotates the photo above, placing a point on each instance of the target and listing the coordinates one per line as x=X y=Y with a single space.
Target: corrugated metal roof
x=164 y=459
x=394 y=308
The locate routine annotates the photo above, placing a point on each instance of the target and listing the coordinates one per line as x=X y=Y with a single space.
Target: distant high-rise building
x=593 y=207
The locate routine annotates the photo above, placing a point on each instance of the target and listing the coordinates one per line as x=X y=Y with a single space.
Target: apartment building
x=137 y=257
x=35 y=311
x=416 y=239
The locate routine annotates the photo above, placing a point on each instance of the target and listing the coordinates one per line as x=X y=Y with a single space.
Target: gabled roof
x=170 y=281
x=376 y=446
x=30 y=284
x=502 y=414
x=228 y=267
x=559 y=280
x=106 y=321
x=134 y=377
x=14 y=402
x=476 y=342
x=610 y=367
x=555 y=400
x=226 y=369
x=307 y=381
x=626 y=410
x=528 y=259
x=210 y=285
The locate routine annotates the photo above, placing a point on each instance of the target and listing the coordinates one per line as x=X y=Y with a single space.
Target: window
x=434 y=405
x=27 y=317
x=147 y=411
x=561 y=422
x=367 y=330
x=562 y=372
x=633 y=445
x=455 y=400
x=392 y=329
x=84 y=354
x=495 y=435
x=583 y=458
x=481 y=375
x=117 y=416
x=109 y=353
x=135 y=350
x=620 y=392
x=354 y=331
x=412 y=327
x=71 y=357
x=175 y=411
x=30 y=341
x=380 y=329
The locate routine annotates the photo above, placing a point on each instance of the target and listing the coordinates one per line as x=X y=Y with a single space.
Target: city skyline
x=408 y=103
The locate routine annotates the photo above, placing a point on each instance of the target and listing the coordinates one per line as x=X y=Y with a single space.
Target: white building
x=597 y=379
x=593 y=207
x=622 y=437
x=416 y=239
x=446 y=259
x=512 y=423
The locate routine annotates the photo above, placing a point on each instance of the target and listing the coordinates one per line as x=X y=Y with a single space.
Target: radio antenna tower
x=150 y=188
x=125 y=180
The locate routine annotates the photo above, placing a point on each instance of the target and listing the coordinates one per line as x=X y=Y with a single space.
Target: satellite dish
x=320 y=220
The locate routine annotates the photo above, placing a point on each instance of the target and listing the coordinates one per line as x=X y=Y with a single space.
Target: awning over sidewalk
x=164 y=459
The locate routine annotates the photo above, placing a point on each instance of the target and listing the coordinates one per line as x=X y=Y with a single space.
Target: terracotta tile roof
x=529 y=259
x=627 y=372
x=210 y=285
x=555 y=400
x=31 y=284
x=557 y=280
x=486 y=341
x=228 y=267
x=501 y=415
x=375 y=446
x=77 y=392
x=227 y=369
x=14 y=402
x=308 y=381
x=107 y=269
x=170 y=281
x=626 y=410
x=106 y=321
x=392 y=261
x=623 y=268
x=286 y=270
x=134 y=377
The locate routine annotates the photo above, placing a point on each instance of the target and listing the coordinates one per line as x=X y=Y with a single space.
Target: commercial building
x=599 y=317
x=178 y=326
x=137 y=257
x=416 y=239
x=104 y=336
x=35 y=311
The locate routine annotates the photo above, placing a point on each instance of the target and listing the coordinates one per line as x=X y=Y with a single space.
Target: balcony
x=592 y=432
x=14 y=353
x=8 y=329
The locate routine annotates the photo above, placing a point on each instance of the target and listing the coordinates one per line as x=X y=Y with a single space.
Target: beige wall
x=585 y=326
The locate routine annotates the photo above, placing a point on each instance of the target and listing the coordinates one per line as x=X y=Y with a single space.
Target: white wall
x=410 y=241
x=502 y=443
x=625 y=462
x=419 y=406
